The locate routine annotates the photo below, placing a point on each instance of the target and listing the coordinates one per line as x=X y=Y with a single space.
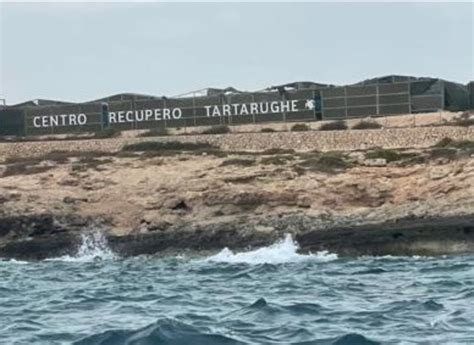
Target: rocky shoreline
x=158 y=197
x=48 y=236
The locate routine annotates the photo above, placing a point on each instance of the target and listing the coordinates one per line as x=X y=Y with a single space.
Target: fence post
x=164 y=107
x=194 y=109
x=345 y=101
x=321 y=94
x=25 y=121
x=51 y=111
x=409 y=97
x=314 y=102
x=377 y=99
x=442 y=94
x=253 y=115
x=228 y=99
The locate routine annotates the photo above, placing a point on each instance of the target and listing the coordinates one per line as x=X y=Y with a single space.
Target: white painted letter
x=148 y=114
x=112 y=117
x=35 y=123
x=226 y=109
x=293 y=105
x=253 y=108
x=208 y=110
x=72 y=120
x=157 y=114
x=82 y=119
x=177 y=113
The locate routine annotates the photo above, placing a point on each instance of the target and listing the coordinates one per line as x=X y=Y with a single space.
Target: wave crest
x=284 y=251
x=164 y=331
x=94 y=247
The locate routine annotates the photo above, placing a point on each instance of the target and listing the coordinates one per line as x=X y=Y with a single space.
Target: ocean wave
x=94 y=247
x=346 y=339
x=163 y=332
x=284 y=251
x=13 y=261
x=354 y=339
x=173 y=332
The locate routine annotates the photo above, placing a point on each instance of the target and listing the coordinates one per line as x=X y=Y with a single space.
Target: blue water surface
x=269 y=296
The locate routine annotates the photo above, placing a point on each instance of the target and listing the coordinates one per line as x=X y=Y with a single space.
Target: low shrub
x=86 y=163
x=300 y=127
x=167 y=146
x=267 y=130
x=59 y=157
x=463 y=122
x=24 y=169
x=278 y=151
x=329 y=162
x=445 y=142
x=276 y=160
x=221 y=129
x=155 y=132
x=367 y=125
x=333 y=126
x=464 y=145
x=443 y=152
x=461 y=144
x=238 y=161
x=387 y=154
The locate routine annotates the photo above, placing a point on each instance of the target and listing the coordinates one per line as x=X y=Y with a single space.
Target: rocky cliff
x=156 y=197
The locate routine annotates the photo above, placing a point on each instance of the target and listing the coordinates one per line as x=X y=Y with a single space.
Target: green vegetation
x=387 y=154
x=152 y=149
x=33 y=165
x=239 y=162
x=445 y=142
x=329 y=162
x=338 y=125
x=221 y=129
x=367 y=125
x=300 y=127
x=443 y=152
x=86 y=163
x=167 y=146
x=464 y=122
x=278 y=151
x=467 y=145
x=24 y=169
x=267 y=130
x=276 y=160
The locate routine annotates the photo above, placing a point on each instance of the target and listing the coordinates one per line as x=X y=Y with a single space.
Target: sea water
x=271 y=295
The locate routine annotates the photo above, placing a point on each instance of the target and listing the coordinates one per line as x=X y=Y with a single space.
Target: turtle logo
x=310 y=104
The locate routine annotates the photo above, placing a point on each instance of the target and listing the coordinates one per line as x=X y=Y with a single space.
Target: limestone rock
x=438 y=173
x=375 y=162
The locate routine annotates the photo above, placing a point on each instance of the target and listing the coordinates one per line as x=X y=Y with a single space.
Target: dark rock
x=159 y=226
x=71 y=200
x=41 y=236
x=176 y=204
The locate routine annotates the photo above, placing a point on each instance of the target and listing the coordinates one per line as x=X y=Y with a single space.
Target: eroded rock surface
x=151 y=203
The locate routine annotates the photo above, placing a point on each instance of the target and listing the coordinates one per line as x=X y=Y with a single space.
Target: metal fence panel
x=12 y=122
x=394 y=109
x=130 y=111
x=361 y=111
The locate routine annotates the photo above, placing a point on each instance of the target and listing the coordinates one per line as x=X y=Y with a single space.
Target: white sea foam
x=13 y=261
x=94 y=247
x=283 y=251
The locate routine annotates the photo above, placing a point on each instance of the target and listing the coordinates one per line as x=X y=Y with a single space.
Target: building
x=298 y=101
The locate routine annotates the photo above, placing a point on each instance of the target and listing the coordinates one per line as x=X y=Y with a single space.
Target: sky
x=84 y=51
